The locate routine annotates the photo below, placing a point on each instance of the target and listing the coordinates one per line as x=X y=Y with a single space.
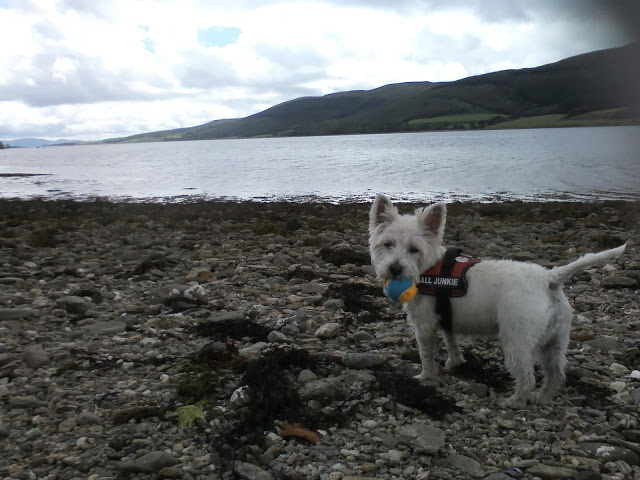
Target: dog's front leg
x=453 y=350
x=427 y=339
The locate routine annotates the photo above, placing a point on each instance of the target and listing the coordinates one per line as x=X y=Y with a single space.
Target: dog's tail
x=559 y=275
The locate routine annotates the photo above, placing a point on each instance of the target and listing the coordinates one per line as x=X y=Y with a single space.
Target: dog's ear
x=382 y=212
x=433 y=218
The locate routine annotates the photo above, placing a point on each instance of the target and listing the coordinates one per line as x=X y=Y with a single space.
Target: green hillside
x=598 y=88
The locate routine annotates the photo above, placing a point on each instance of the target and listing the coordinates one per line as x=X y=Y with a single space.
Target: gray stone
x=306 y=376
x=358 y=376
x=362 y=336
x=104 y=328
x=35 y=356
x=171 y=472
x=550 y=472
x=466 y=464
x=328 y=330
x=323 y=389
x=151 y=463
x=422 y=437
x=363 y=361
x=67 y=425
x=618 y=282
x=605 y=344
x=588 y=475
x=73 y=304
x=609 y=453
x=227 y=316
x=88 y=418
x=6 y=358
x=498 y=476
x=26 y=402
x=277 y=337
x=249 y=471
x=313 y=288
x=15 y=313
x=389 y=440
x=524 y=256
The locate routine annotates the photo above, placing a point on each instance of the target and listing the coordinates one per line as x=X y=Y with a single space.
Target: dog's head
x=404 y=246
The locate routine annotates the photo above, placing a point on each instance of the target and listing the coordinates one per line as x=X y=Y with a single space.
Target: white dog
x=521 y=303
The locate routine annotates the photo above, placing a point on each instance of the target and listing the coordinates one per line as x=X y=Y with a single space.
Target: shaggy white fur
x=521 y=303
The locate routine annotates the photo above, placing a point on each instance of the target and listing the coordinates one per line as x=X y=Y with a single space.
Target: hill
x=597 y=88
x=36 y=142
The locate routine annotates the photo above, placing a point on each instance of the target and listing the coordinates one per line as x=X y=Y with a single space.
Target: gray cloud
x=559 y=29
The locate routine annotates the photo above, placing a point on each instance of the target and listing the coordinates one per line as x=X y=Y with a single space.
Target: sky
x=96 y=69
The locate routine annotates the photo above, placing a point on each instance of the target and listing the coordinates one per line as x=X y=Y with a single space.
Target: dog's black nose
x=395 y=269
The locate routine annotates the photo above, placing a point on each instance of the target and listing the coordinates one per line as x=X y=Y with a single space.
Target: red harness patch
x=454 y=284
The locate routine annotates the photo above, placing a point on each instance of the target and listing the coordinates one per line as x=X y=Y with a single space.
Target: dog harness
x=447 y=279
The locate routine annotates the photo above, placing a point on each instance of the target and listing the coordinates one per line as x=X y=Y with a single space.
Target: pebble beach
x=224 y=340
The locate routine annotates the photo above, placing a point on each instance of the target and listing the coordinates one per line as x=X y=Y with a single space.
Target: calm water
x=541 y=164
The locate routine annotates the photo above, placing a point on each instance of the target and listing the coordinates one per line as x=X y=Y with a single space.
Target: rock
x=277 y=337
x=104 y=328
x=306 y=376
x=202 y=275
x=328 y=330
x=618 y=386
x=609 y=453
x=35 y=356
x=358 y=376
x=26 y=402
x=73 y=304
x=248 y=471
x=171 y=472
x=153 y=462
x=15 y=313
x=362 y=336
x=618 y=282
x=240 y=396
x=323 y=389
x=549 y=472
x=466 y=464
x=363 y=361
x=67 y=425
x=313 y=288
x=605 y=344
x=397 y=456
x=525 y=257
x=498 y=476
x=588 y=475
x=422 y=437
x=618 y=368
x=88 y=418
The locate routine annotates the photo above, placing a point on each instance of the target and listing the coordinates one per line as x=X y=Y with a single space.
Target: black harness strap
x=443 y=304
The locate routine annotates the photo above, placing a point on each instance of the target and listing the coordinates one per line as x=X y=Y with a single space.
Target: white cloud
x=85 y=69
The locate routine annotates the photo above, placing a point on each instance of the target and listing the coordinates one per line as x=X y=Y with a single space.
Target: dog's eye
x=388 y=244
x=414 y=250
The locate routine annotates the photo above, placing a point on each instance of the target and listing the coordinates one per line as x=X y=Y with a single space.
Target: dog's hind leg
x=518 y=360
x=553 y=363
x=553 y=359
x=453 y=349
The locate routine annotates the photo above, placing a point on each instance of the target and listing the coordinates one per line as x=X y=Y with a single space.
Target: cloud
x=98 y=69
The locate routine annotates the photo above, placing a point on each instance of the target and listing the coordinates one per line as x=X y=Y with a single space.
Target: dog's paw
x=425 y=376
x=514 y=401
x=452 y=363
x=541 y=398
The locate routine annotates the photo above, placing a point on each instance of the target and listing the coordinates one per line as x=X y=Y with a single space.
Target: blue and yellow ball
x=400 y=290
